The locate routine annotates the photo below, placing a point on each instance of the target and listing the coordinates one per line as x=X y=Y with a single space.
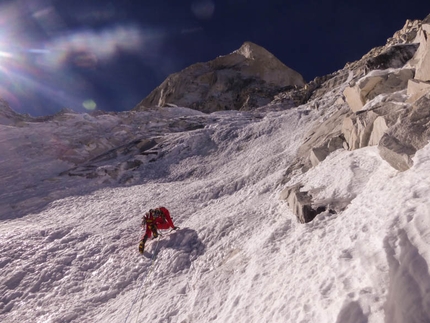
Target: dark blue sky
x=110 y=54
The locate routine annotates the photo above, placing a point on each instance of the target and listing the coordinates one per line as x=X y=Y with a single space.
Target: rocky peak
x=268 y=67
x=252 y=51
x=244 y=79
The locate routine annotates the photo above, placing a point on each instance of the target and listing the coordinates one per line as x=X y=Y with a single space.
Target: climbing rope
x=151 y=268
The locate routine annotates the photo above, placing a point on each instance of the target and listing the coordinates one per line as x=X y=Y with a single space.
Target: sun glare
x=5 y=54
x=41 y=57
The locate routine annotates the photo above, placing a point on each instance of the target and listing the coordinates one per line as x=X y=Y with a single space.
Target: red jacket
x=162 y=222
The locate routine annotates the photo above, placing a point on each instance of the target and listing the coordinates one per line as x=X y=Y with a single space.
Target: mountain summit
x=246 y=78
x=260 y=62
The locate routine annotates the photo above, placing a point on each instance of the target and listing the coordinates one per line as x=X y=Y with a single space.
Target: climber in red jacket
x=153 y=221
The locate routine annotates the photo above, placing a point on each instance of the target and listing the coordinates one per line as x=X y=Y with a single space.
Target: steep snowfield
x=240 y=255
x=33 y=154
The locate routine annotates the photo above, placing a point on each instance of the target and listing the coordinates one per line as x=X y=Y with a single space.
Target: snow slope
x=240 y=255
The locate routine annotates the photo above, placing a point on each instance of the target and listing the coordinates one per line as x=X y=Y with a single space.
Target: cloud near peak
x=87 y=47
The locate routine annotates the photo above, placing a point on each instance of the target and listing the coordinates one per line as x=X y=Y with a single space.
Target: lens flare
x=203 y=9
x=89 y=105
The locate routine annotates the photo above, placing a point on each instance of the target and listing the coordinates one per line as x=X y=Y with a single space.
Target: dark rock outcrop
x=394 y=57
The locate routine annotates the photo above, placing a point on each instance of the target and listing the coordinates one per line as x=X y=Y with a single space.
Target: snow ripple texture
x=240 y=255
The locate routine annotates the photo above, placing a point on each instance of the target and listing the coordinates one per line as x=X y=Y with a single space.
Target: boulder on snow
x=300 y=203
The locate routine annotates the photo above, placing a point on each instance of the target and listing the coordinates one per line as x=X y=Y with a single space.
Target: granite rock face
x=401 y=141
x=381 y=100
x=416 y=89
x=421 y=59
x=378 y=82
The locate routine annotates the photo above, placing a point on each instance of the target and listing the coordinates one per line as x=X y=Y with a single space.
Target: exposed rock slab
x=374 y=84
x=421 y=59
x=401 y=141
x=396 y=153
x=357 y=129
x=378 y=130
x=416 y=89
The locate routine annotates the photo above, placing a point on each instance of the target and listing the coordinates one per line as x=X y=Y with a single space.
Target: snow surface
x=68 y=246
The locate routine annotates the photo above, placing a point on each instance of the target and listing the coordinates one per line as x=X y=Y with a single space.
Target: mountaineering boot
x=141 y=246
x=154 y=231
